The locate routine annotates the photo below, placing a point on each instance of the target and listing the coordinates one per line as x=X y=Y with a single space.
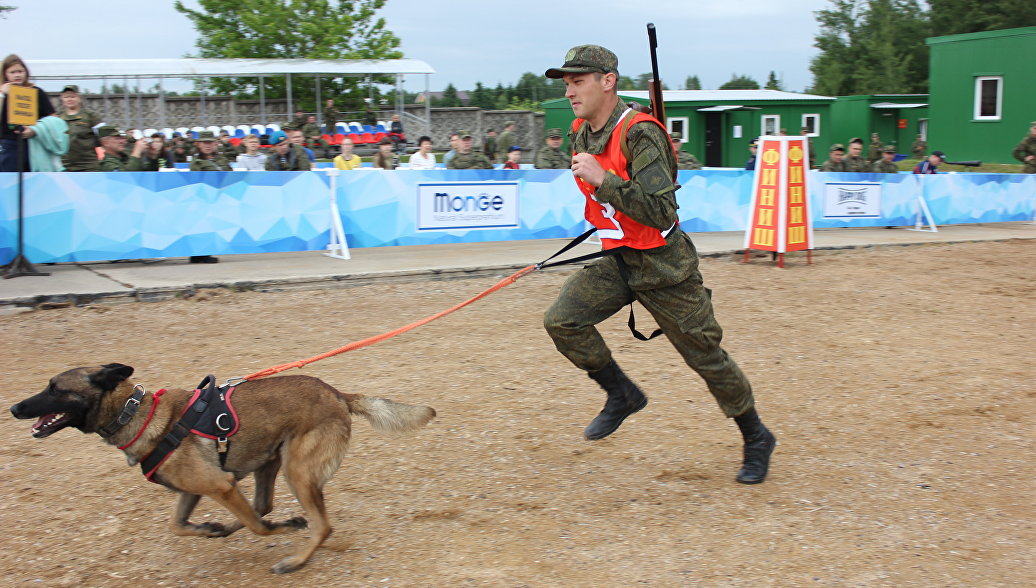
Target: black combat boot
x=759 y=444
x=624 y=399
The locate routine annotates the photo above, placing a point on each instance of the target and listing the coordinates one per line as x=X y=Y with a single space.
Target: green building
x=717 y=125
x=983 y=93
x=897 y=118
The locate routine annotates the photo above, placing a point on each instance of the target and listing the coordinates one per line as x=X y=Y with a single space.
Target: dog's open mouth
x=50 y=424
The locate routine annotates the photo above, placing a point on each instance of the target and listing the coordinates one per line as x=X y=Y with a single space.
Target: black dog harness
x=208 y=414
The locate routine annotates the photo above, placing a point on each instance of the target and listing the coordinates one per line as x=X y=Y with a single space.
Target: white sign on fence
x=852 y=200
x=467 y=205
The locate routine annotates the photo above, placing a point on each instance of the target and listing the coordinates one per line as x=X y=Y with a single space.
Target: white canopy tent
x=126 y=69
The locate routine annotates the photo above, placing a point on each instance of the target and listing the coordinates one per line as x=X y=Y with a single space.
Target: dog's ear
x=110 y=375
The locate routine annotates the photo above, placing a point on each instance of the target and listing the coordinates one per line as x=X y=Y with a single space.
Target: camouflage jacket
x=832 y=166
x=649 y=198
x=504 y=141
x=120 y=162
x=82 y=142
x=884 y=167
x=874 y=152
x=685 y=160
x=217 y=163
x=310 y=130
x=856 y=164
x=1024 y=149
x=470 y=160
x=294 y=160
x=547 y=158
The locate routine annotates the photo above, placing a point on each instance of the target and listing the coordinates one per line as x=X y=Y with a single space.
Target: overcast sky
x=467 y=41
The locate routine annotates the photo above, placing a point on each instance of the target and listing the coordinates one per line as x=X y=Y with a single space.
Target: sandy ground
x=898 y=380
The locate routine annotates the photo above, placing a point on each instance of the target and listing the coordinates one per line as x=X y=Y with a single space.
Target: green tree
x=692 y=83
x=871 y=46
x=642 y=82
x=740 y=82
x=300 y=29
x=951 y=17
x=449 y=97
x=625 y=83
x=5 y=9
x=833 y=67
x=481 y=97
x=772 y=83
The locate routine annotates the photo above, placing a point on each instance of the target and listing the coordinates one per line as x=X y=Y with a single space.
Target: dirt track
x=899 y=382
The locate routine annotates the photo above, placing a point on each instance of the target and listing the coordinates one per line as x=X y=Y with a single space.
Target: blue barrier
x=127 y=215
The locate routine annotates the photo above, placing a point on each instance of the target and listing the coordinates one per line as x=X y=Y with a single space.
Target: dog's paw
x=213 y=529
x=295 y=523
x=288 y=565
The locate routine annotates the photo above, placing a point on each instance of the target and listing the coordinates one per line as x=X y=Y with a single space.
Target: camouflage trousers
x=683 y=312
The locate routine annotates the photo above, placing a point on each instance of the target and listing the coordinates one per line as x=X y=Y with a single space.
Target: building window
x=811 y=122
x=988 y=97
x=679 y=124
x=771 y=124
x=922 y=128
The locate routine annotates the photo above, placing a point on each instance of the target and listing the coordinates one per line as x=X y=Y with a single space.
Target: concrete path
x=150 y=280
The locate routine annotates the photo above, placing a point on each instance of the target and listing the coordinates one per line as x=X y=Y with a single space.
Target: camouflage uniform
x=665 y=279
x=216 y=162
x=295 y=160
x=489 y=146
x=547 y=158
x=228 y=151
x=831 y=165
x=885 y=167
x=82 y=142
x=1025 y=148
x=919 y=148
x=506 y=139
x=854 y=163
x=471 y=160
x=181 y=151
x=121 y=162
x=330 y=120
x=311 y=132
x=117 y=162
x=874 y=152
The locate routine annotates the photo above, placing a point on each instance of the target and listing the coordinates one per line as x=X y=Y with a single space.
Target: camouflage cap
x=675 y=135
x=490 y=130
x=805 y=130
x=509 y=123
x=70 y=88
x=204 y=136
x=109 y=131
x=463 y=134
x=554 y=134
x=888 y=149
x=586 y=59
x=1032 y=124
x=837 y=147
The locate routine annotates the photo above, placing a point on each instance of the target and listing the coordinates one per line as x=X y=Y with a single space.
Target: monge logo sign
x=467 y=205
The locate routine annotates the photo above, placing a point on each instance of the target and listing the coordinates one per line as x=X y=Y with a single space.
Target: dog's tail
x=386 y=415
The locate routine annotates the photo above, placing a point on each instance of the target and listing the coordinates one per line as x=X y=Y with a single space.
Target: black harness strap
x=129 y=410
x=623 y=271
x=181 y=429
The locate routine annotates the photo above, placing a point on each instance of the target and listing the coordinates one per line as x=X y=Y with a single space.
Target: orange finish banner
x=780 y=216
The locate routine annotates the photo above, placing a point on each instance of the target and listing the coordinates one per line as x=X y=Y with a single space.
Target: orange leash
x=378 y=338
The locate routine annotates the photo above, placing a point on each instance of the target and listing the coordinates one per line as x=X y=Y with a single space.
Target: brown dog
x=296 y=422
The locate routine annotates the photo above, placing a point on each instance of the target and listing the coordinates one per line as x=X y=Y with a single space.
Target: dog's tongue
x=44 y=420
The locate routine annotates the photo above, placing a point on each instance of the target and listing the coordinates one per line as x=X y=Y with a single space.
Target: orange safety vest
x=613 y=227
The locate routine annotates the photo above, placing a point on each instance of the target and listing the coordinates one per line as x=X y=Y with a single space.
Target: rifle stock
x=969 y=163
x=655 y=85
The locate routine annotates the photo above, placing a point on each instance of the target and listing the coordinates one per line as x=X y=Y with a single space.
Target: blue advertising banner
x=130 y=215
